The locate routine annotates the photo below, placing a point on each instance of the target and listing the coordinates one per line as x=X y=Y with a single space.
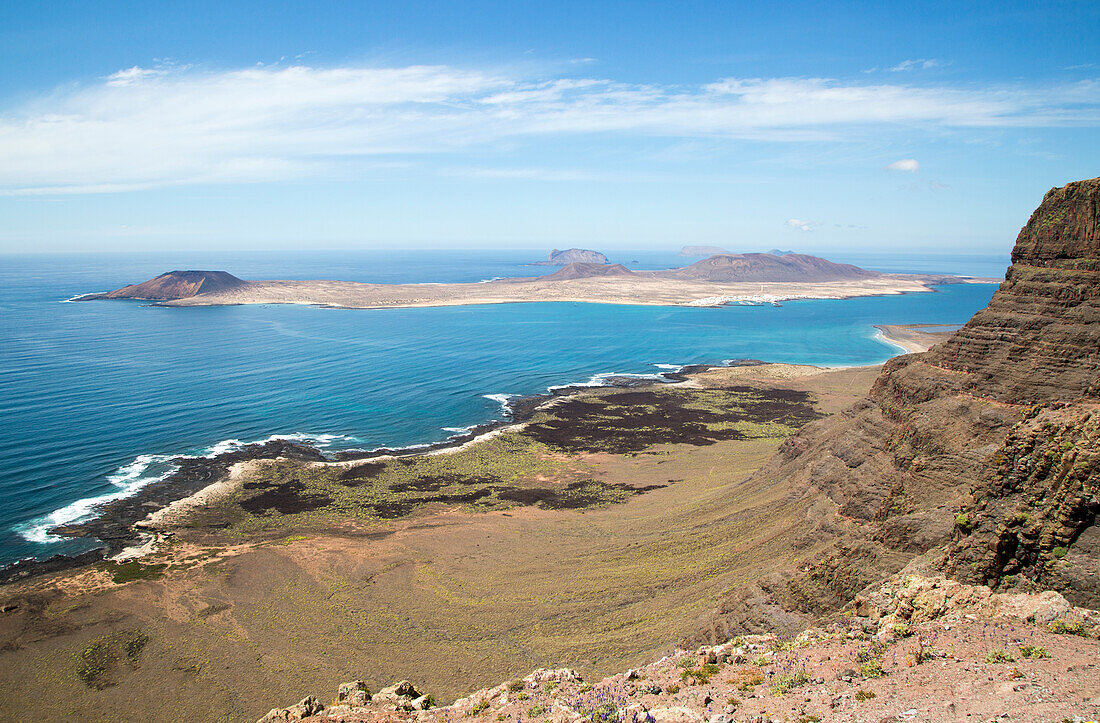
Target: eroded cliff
x=978 y=457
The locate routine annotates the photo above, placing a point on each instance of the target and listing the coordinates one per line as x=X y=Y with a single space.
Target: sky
x=909 y=127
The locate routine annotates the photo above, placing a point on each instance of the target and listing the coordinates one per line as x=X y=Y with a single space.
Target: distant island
x=702 y=250
x=717 y=280
x=571 y=256
x=777 y=252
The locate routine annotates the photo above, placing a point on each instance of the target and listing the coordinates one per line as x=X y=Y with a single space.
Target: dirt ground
x=451 y=599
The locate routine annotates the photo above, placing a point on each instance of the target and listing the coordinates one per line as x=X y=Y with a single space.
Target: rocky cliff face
x=978 y=456
x=1037 y=340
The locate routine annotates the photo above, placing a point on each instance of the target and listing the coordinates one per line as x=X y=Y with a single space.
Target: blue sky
x=813 y=126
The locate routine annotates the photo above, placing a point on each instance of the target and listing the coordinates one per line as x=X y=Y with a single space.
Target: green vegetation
x=901 y=630
x=122 y=572
x=1062 y=627
x=782 y=684
x=480 y=707
x=867 y=653
x=761 y=661
x=865 y=695
x=1059 y=552
x=604 y=713
x=534 y=466
x=534 y=711
x=100 y=660
x=1034 y=652
x=700 y=675
x=997 y=655
x=515 y=686
x=962 y=521
x=871 y=669
x=672 y=689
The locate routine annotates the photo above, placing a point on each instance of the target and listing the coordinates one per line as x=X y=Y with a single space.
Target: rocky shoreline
x=117 y=523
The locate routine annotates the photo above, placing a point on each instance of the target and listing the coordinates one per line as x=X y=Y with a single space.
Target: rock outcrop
x=866 y=665
x=978 y=457
x=568 y=256
x=769 y=267
x=176 y=285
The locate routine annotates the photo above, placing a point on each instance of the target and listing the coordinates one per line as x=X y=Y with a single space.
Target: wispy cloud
x=909 y=165
x=801 y=225
x=915 y=64
x=149 y=127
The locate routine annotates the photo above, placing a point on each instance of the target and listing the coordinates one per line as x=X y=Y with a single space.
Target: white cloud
x=909 y=165
x=802 y=225
x=171 y=125
x=916 y=64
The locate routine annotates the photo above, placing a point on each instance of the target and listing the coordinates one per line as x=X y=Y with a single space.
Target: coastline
x=634 y=291
x=122 y=525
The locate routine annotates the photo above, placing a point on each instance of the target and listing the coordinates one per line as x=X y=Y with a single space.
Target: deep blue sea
x=96 y=396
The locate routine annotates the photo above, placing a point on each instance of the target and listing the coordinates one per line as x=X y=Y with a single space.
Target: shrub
x=962 y=521
x=700 y=675
x=785 y=683
x=515 y=686
x=865 y=694
x=522 y=696
x=1034 y=652
x=871 y=669
x=1059 y=552
x=672 y=689
x=996 y=655
x=761 y=660
x=536 y=710
x=604 y=713
x=687 y=663
x=480 y=707
x=901 y=630
x=1063 y=628
x=122 y=572
x=870 y=652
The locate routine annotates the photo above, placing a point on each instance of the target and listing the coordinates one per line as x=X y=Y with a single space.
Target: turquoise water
x=97 y=395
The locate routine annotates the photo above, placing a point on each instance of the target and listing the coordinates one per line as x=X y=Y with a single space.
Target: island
x=702 y=250
x=715 y=281
x=570 y=256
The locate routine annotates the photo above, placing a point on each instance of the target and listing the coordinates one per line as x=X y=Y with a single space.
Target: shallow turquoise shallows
x=96 y=396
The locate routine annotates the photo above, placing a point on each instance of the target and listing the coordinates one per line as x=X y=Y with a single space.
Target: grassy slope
x=450 y=599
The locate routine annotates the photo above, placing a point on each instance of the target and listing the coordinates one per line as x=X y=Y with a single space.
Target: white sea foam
x=601 y=379
x=78 y=297
x=458 y=430
x=502 y=400
x=495 y=278
x=131 y=477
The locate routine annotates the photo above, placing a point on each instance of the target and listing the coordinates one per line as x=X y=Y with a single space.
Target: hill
x=577 y=270
x=176 y=285
x=769 y=267
x=569 y=256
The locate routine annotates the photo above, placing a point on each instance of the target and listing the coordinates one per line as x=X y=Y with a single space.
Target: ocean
x=96 y=397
